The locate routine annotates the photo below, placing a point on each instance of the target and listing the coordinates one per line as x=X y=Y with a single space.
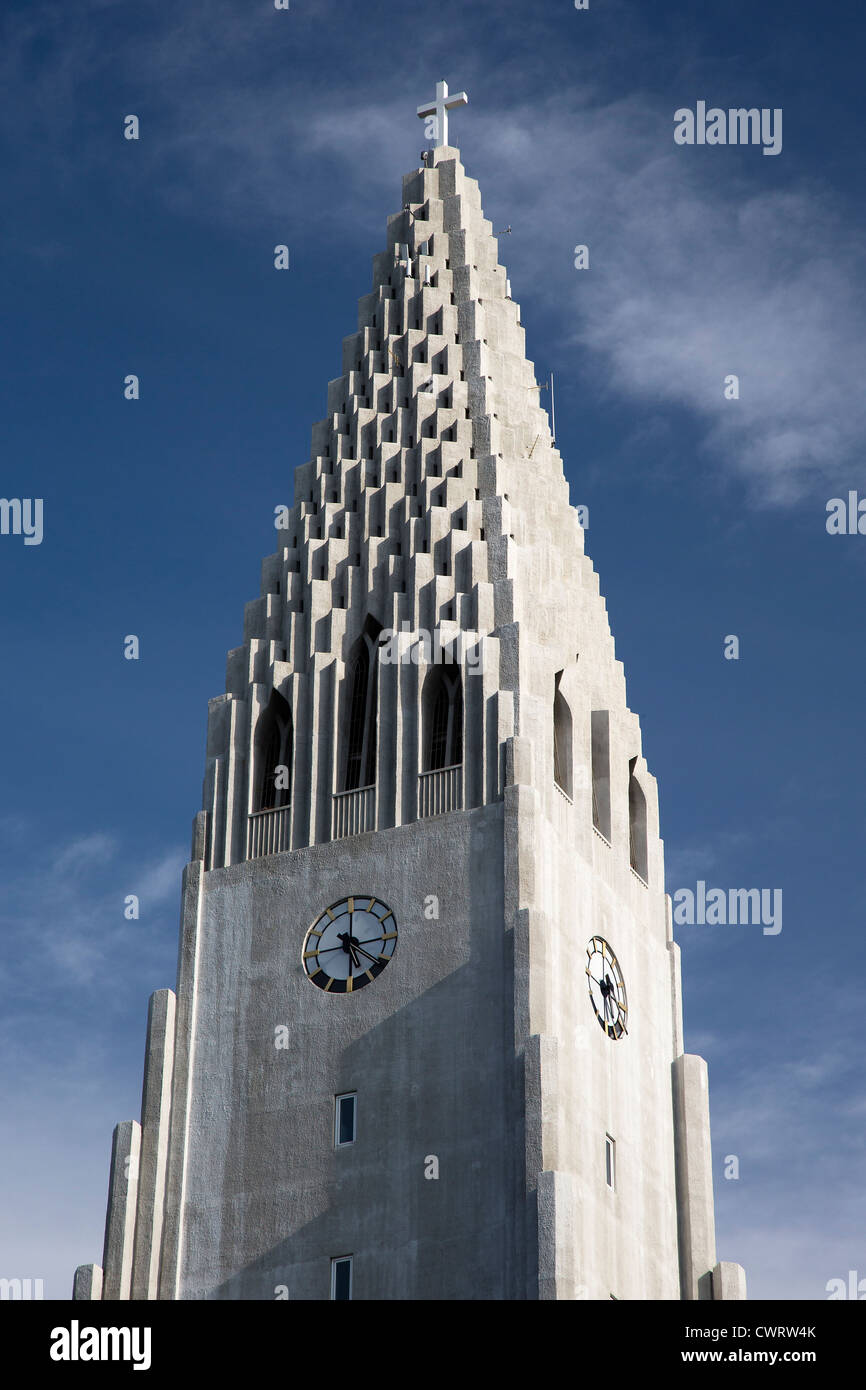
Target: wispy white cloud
x=65 y=923
x=74 y=982
x=697 y=272
x=702 y=263
x=794 y=1214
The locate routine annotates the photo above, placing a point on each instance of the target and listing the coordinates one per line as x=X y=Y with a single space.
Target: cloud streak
x=704 y=262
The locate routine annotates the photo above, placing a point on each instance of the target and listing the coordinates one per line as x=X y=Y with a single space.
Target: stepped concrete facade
x=426 y=714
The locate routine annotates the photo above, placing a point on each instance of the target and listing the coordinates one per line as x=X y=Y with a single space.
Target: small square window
x=341 y=1278
x=345 y=1116
x=610 y=1162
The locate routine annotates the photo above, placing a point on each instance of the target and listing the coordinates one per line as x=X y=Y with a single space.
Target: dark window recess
x=341 y=1280
x=274 y=742
x=361 y=751
x=445 y=705
x=562 y=741
x=344 y=1120
x=358 y=719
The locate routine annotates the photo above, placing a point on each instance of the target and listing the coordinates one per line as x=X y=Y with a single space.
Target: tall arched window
x=361 y=726
x=637 y=831
x=562 y=740
x=273 y=755
x=443 y=718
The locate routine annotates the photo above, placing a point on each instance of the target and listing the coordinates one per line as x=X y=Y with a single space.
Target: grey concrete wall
x=427 y=1047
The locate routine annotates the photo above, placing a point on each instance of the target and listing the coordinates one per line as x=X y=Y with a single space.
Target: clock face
x=606 y=988
x=350 y=944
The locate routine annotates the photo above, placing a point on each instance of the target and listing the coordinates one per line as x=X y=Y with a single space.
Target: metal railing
x=354 y=812
x=440 y=791
x=268 y=832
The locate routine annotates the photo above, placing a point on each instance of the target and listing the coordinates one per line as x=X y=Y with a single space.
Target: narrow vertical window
x=600 y=720
x=610 y=1162
x=341 y=1278
x=562 y=740
x=443 y=718
x=273 y=755
x=360 y=767
x=345 y=1119
x=358 y=718
x=637 y=830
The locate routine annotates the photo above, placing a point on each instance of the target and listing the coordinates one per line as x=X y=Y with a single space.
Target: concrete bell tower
x=426 y=1041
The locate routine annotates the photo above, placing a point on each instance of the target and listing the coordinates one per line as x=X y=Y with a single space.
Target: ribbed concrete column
x=187 y=997
x=87 y=1283
x=697 y=1237
x=729 y=1281
x=120 y=1221
x=155 y=1118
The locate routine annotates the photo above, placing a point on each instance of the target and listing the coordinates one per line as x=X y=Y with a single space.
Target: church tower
x=426 y=1041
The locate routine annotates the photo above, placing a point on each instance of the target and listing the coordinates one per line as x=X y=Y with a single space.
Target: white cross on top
x=437 y=127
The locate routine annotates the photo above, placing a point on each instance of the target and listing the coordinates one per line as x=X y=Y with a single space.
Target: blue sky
x=707 y=516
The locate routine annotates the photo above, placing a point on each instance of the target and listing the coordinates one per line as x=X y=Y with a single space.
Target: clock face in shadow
x=350 y=944
x=606 y=988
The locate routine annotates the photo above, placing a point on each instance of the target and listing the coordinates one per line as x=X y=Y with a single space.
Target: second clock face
x=606 y=988
x=350 y=944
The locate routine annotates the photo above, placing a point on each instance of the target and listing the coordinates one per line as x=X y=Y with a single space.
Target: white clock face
x=606 y=988
x=350 y=944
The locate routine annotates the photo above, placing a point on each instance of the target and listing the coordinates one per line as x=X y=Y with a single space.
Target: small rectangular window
x=610 y=1162
x=345 y=1113
x=341 y=1278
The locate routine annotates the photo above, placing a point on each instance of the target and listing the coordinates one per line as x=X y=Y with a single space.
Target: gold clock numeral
x=349 y=985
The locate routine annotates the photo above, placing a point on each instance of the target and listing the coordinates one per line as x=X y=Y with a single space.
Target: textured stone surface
x=434 y=498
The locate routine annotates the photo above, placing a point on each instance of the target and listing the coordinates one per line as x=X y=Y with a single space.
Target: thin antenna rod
x=552 y=412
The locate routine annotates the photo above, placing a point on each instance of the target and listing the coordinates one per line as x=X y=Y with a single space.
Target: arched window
x=637 y=832
x=562 y=741
x=273 y=755
x=361 y=727
x=443 y=718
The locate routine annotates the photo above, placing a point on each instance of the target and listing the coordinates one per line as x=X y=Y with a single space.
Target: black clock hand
x=374 y=959
x=348 y=946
